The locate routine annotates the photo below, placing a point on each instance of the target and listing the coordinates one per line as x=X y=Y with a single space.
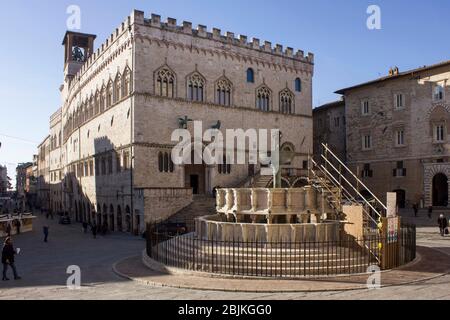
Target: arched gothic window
x=286 y=102
x=298 y=85
x=165 y=83
x=263 y=98
x=97 y=103
x=126 y=87
x=86 y=112
x=250 y=75
x=117 y=88
x=103 y=98
x=79 y=115
x=109 y=94
x=195 y=86
x=223 y=92
x=91 y=107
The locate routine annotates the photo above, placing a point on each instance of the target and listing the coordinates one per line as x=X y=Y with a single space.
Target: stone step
x=258 y=269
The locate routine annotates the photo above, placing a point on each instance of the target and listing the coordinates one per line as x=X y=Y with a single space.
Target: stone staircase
x=201 y=206
x=261 y=181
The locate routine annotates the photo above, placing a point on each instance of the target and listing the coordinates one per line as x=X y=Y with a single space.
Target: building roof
x=396 y=76
x=339 y=103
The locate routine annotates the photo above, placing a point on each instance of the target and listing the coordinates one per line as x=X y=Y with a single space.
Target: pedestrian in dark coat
x=8 y=253
x=443 y=224
x=94 y=230
x=46 y=231
x=416 y=209
x=85 y=227
x=8 y=229
x=18 y=225
x=430 y=211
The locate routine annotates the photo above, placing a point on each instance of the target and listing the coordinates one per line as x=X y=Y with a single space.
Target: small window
x=365 y=108
x=399 y=101
x=367 y=142
x=165 y=163
x=400 y=138
x=367 y=172
x=250 y=75
x=305 y=164
x=126 y=161
x=298 y=85
x=337 y=122
x=400 y=170
x=439 y=133
x=438 y=92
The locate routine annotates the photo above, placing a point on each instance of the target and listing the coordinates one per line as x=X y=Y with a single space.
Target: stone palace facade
x=398 y=134
x=107 y=156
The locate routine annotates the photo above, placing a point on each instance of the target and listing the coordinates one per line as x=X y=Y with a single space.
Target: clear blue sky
x=414 y=33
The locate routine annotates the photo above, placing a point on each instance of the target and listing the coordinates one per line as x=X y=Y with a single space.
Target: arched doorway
x=111 y=218
x=76 y=211
x=119 y=219
x=401 y=198
x=440 y=190
x=195 y=175
x=300 y=183
x=105 y=216
x=128 y=219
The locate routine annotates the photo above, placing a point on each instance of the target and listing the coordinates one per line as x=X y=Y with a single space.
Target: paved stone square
x=43 y=268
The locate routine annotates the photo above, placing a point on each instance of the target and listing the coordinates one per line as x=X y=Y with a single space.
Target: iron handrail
x=356 y=190
x=335 y=183
x=352 y=200
x=354 y=176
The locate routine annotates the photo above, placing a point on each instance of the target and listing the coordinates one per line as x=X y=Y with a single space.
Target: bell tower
x=78 y=47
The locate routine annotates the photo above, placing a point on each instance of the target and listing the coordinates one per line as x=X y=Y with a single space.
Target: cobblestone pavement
x=43 y=268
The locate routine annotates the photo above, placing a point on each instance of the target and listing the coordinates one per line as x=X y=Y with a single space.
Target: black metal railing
x=279 y=259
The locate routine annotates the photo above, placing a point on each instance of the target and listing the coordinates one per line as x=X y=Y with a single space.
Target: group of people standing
x=95 y=229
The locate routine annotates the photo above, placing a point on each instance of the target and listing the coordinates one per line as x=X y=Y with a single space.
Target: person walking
x=8 y=253
x=8 y=229
x=46 y=231
x=18 y=225
x=443 y=224
x=416 y=210
x=85 y=227
x=94 y=230
x=430 y=212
